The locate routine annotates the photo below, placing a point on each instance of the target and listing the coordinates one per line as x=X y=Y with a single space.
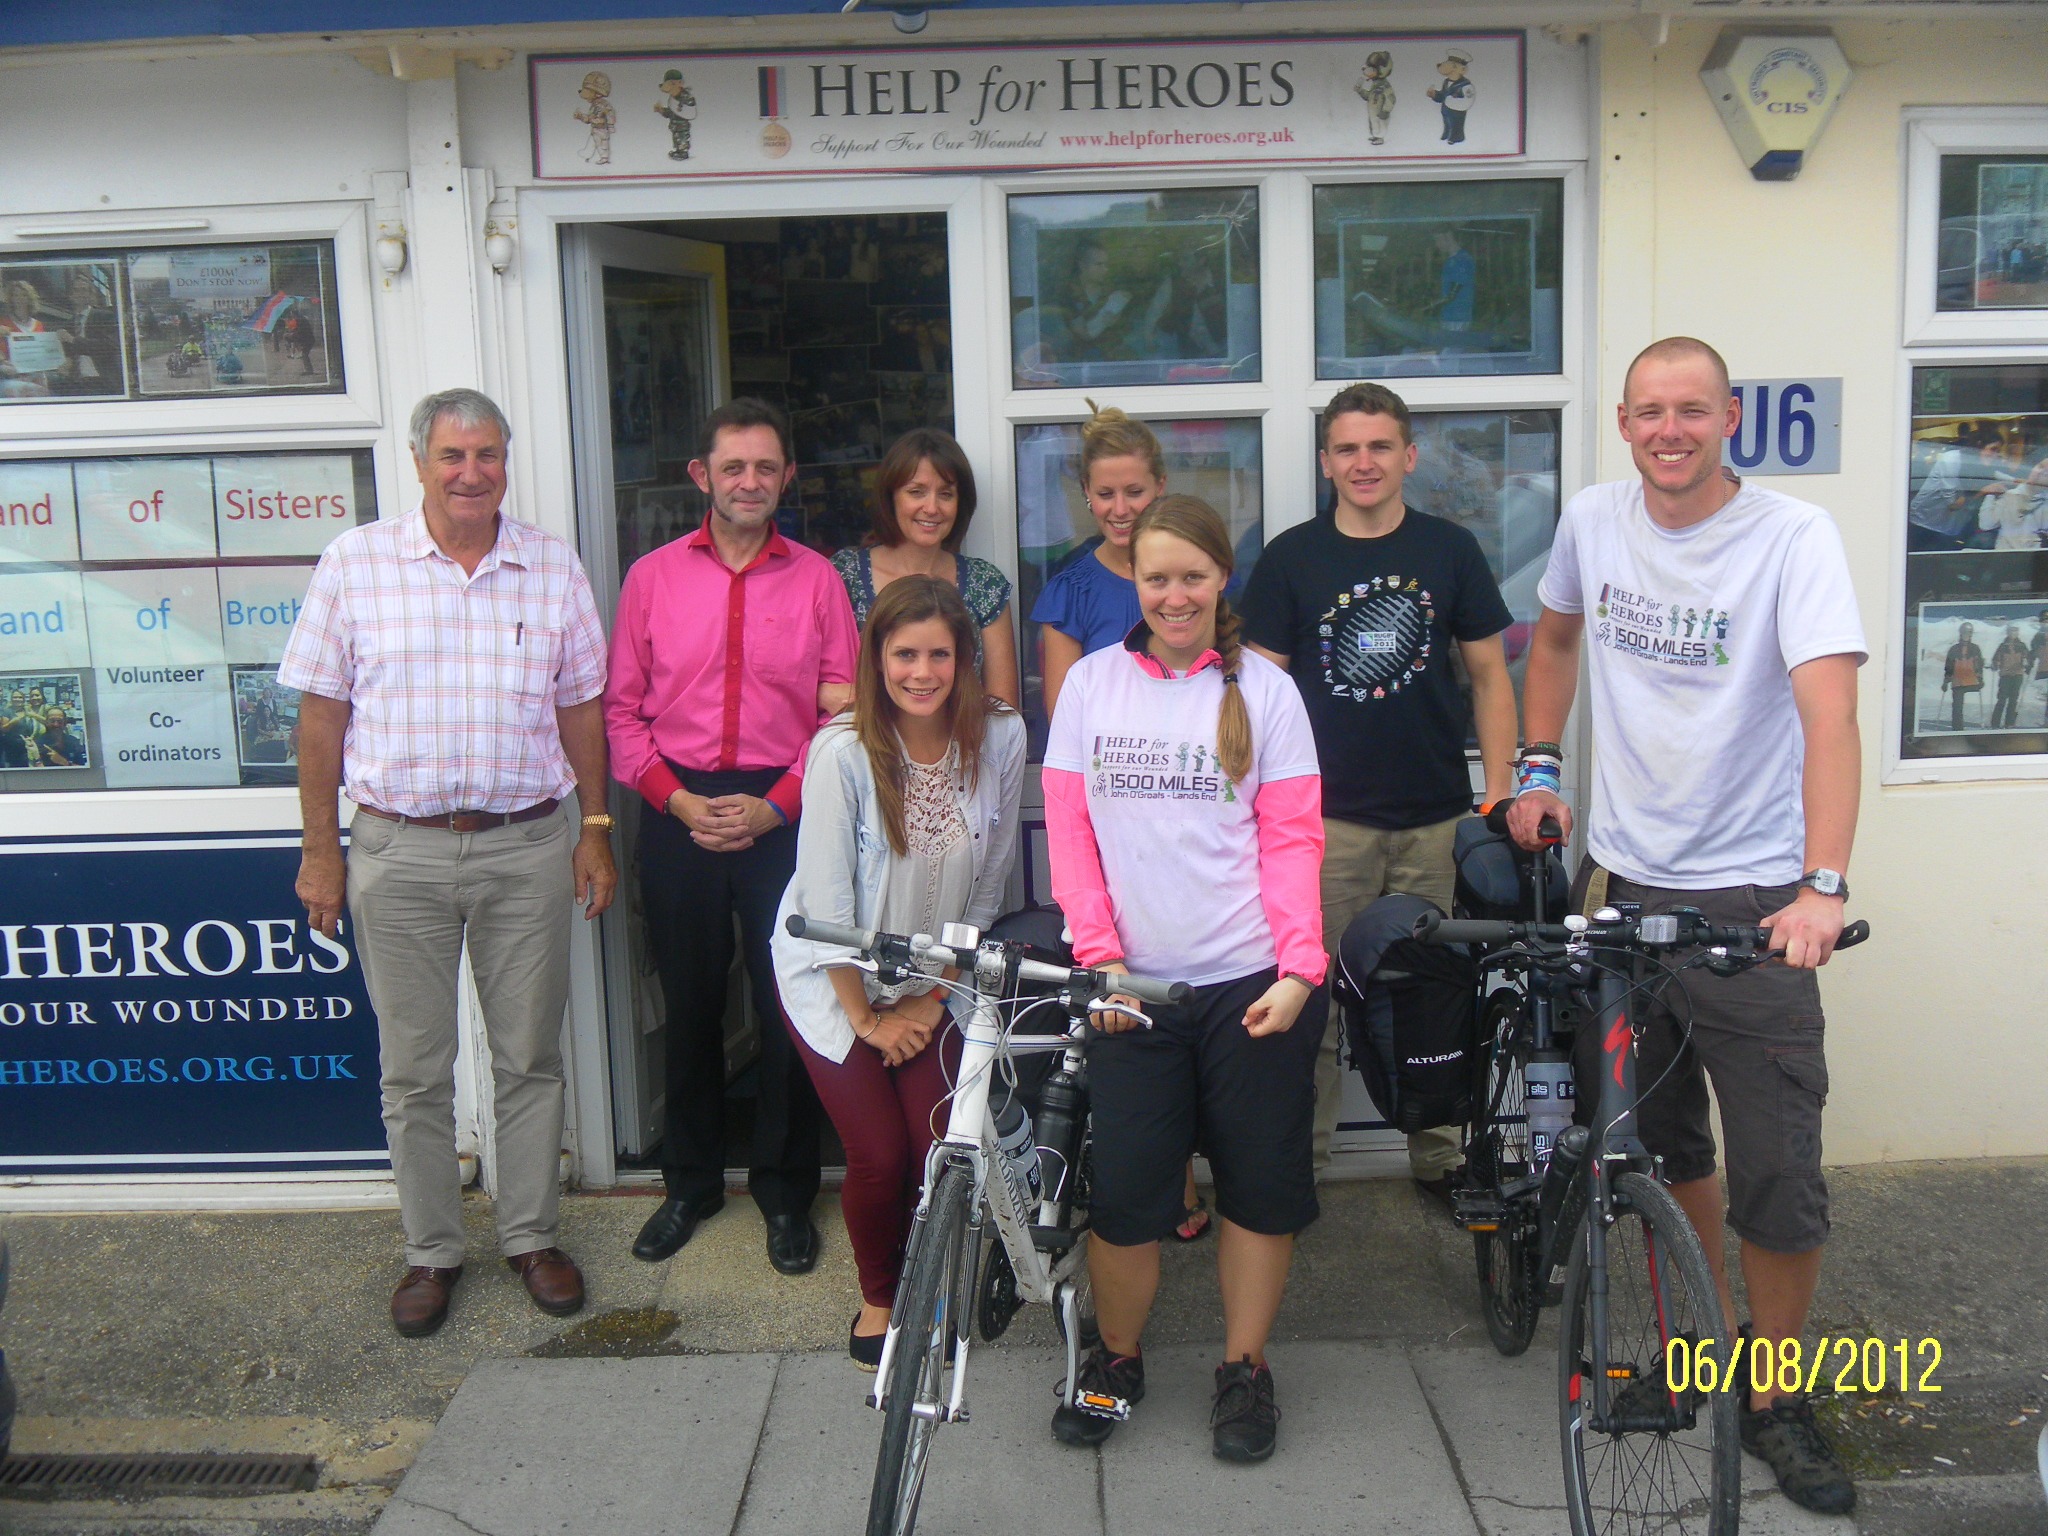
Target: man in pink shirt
x=723 y=640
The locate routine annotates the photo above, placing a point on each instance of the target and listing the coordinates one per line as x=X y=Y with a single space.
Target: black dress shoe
x=792 y=1244
x=673 y=1223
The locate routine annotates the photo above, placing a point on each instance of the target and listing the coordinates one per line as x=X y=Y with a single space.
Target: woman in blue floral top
x=924 y=499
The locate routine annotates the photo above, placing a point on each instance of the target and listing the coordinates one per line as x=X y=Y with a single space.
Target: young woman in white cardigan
x=909 y=823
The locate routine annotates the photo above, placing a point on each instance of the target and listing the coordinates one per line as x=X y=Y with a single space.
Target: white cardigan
x=844 y=863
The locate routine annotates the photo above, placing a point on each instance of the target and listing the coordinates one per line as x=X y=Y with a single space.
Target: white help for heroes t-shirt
x=1178 y=840
x=1691 y=635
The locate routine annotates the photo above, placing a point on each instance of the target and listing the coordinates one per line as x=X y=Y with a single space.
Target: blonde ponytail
x=1194 y=521
x=1109 y=434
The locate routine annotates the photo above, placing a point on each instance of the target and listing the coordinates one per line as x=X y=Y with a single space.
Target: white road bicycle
x=1040 y=1249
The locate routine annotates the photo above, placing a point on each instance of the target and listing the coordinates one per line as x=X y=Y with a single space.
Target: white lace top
x=935 y=877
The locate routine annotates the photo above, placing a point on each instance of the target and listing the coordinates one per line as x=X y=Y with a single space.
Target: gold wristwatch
x=603 y=819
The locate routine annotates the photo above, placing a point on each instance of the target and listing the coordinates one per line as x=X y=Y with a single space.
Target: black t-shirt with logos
x=1367 y=626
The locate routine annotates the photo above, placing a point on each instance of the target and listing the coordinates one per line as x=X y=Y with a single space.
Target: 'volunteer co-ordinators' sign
x=1387 y=96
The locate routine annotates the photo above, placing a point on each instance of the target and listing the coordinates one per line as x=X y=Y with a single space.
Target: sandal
x=1194 y=1223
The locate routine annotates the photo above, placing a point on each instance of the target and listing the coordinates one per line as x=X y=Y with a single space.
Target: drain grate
x=143 y=1475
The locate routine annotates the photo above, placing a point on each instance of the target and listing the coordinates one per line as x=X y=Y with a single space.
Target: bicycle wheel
x=1496 y=1153
x=1681 y=1476
x=925 y=1301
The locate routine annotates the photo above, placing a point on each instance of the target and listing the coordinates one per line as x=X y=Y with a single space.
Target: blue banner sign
x=164 y=1008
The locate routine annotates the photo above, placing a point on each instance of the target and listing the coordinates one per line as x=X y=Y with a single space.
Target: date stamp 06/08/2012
x=1839 y=1365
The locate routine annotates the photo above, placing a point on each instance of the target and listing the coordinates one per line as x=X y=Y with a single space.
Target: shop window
x=1438 y=278
x=1494 y=473
x=1217 y=460
x=144 y=607
x=1976 y=622
x=1134 y=287
x=176 y=322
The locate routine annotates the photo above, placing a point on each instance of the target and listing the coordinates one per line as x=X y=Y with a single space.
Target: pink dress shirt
x=715 y=669
x=452 y=680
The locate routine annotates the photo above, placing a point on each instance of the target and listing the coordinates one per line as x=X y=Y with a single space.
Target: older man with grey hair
x=450 y=663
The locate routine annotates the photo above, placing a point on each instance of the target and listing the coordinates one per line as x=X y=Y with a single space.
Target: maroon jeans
x=884 y=1117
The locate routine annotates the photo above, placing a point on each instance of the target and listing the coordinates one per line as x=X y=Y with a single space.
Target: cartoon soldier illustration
x=1456 y=95
x=680 y=108
x=598 y=114
x=1376 y=90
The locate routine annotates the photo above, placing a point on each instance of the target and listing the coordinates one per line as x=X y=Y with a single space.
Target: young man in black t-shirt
x=1364 y=608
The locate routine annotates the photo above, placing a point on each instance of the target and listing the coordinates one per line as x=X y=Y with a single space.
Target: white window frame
x=209 y=418
x=1933 y=339
x=1932 y=132
x=1898 y=768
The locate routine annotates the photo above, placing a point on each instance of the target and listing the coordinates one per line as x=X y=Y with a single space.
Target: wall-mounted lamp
x=1775 y=89
x=391 y=249
x=498 y=247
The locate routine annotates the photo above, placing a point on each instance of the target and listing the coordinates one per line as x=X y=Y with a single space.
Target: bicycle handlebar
x=1435 y=928
x=923 y=947
x=1496 y=819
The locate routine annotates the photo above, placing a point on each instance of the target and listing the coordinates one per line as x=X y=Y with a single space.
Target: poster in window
x=1975 y=652
x=266 y=726
x=234 y=320
x=1135 y=288
x=43 y=721
x=1993 y=251
x=61 y=331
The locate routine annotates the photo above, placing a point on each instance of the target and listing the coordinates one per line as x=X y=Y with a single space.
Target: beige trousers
x=1360 y=865
x=416 y=896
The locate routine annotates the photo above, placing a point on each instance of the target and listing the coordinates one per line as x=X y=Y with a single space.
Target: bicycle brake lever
x=856 y=963
x=1104 y=1006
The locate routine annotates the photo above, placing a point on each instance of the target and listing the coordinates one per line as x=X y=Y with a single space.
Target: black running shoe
x=1785 y=1436
x=1117 y=1379
x=1243 y=1422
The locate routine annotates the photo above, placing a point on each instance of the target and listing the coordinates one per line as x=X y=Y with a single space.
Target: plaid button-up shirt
x=453 y=680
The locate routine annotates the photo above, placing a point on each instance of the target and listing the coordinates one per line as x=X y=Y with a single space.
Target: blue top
x=1088 y=602
x=1460 y=275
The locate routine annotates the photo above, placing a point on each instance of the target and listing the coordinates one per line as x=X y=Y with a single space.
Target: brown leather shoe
x=552 y=1280
x=420 y=1304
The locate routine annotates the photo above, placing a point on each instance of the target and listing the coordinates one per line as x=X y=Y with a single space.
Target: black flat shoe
x=864 y=1349
x=792 y=1244
x=673 y=1224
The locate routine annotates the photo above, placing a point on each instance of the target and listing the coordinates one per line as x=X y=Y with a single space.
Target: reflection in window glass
x=1219 y=461
x=144 y=607
x=1448 y=277
x=1976 y=619
x=1134 y=287
x=1994 y=233
x=187 y=320
x=1495 y=474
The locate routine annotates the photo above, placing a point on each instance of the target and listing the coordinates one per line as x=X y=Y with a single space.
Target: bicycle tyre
x=917 y=1370
x=1686 y=1482
x=1496 y=1152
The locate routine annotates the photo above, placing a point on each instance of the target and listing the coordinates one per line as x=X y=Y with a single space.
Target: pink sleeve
x=635 y=759
x=1290 y=813
x=1077 y=883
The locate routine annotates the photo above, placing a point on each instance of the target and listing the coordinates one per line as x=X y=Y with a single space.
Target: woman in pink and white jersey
x=1184 y=812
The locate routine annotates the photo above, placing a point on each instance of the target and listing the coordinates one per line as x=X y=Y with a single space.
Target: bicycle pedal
x=1103 y=1406
x=1478 y=1210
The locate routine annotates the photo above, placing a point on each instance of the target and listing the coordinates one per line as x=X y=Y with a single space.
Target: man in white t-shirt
x=1726 y=767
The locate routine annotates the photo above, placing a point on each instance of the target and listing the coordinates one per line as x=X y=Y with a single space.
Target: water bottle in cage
x=1020 y=1152
x=1062 y=1107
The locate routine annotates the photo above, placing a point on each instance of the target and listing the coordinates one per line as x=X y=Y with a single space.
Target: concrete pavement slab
x=1001 y=1472
x=537 y=1447
x=1358 y=1451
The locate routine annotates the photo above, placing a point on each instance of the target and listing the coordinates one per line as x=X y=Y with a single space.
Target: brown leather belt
x=466 y=821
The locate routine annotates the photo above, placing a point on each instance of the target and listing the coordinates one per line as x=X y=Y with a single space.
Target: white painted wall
x=1936 y=1030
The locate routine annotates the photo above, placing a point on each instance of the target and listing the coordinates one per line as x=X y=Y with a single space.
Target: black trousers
x=690 y=896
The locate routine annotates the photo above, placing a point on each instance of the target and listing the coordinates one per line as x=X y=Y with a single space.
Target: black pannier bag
x=1410 y=1015
x=1493 y=880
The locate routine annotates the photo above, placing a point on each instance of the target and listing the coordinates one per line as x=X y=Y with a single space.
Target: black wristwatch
x=1829 y=882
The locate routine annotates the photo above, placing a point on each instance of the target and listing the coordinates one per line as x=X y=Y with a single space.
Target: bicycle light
x=961 y=936
x=1659 y=930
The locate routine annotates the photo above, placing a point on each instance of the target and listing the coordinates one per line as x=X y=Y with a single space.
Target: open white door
x=646 y=318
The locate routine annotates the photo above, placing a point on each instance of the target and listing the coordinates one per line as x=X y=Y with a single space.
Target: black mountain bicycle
x=1583 y=1221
